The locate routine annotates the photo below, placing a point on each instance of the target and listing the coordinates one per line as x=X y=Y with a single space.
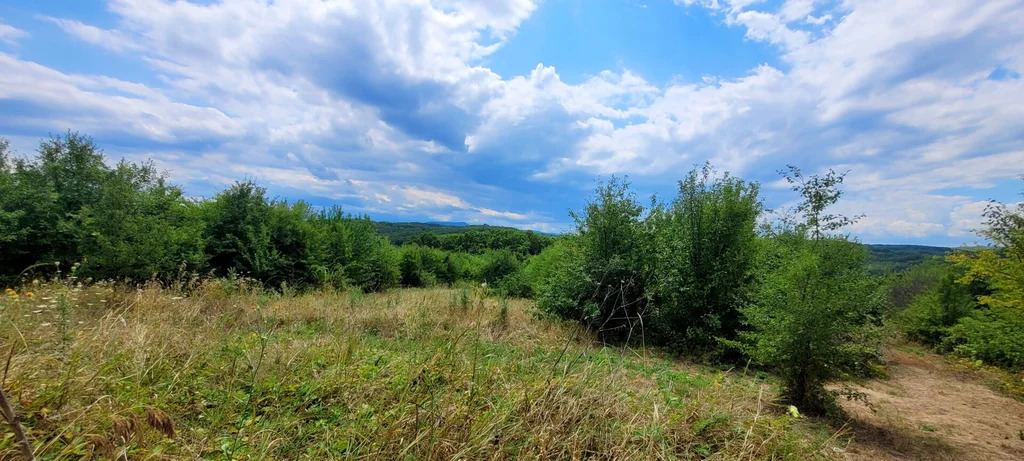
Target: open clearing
x=226 y=372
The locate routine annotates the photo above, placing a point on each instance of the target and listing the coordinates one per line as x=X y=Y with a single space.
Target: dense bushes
x=67 y=206
x=522 y=243
x=603 y=280
x=706 y=243
x=125 y=222
x=680 y=269
x=812 y=315
x=696 y=273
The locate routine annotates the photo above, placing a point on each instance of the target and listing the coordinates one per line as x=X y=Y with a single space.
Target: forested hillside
x=900 y=257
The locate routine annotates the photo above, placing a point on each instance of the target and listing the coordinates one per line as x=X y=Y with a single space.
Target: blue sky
x=506 y=111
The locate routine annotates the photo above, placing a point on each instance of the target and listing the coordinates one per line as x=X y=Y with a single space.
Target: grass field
x=224 y=371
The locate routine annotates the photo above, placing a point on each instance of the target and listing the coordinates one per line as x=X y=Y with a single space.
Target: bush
x=904 y=287
x=811 y=314
x=604 y=285
x=139 y=228
x=41 y=201
x=930 y=315
x=706 y=242
x=994 y=335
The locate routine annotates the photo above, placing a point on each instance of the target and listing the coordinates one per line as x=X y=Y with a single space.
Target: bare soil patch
x=929 y=411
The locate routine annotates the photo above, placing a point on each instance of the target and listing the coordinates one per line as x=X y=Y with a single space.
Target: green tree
x=707 y=242
x=238 y=231
x=140 y=227
x=811 y=313
x=1001 y=267
x=605 y=284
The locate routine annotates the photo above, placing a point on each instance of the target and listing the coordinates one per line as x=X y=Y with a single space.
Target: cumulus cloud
x=388 y=105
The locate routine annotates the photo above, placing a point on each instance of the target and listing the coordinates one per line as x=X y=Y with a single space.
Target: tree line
x=67 y=208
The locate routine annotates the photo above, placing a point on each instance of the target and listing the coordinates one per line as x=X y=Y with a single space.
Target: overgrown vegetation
x=67 y=206
x=228 y=370
x=251 y=332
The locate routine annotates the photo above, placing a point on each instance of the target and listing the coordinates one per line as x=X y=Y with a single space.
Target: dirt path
x=928 y=411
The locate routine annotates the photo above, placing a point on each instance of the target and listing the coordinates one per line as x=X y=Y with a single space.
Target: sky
x=508 y=112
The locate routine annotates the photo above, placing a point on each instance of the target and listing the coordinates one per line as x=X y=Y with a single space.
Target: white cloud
x=99 y=104
x=113 y=40
x=899 y=92
x=10 y=34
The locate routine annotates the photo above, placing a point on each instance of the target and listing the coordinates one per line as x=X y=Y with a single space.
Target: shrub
x=605 y=286
x=706 y=244
x=139 y=228
x=812 y=308
x=930 y=315
x=498 y=264
x=994 y=335
x=237 y=231
x=904 y=287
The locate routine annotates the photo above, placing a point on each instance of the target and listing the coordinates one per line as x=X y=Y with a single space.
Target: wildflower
x=29 y=294
x=277 y=307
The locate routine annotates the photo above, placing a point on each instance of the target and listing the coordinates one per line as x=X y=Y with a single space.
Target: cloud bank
x=389 y=108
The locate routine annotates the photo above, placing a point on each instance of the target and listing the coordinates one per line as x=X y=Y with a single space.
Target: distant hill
x=900 y=257
x=401 y=232
x=883 y=257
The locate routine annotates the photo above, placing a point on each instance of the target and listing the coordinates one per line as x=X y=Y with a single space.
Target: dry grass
x=230 y=372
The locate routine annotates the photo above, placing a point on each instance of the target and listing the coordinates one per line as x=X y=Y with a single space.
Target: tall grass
x=232 y=372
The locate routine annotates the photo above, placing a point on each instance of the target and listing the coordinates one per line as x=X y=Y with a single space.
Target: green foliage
x=994 y=335
x=238 y=232
x=977 y=311
x=931 y=314
x=1001 y=268
x=140 y=227
x=680 y=271
x=904 y=287
x=42 y=200
x=607 y=288
x=898 y=258
x=813 y=309
x=477 y=242
x=67 y=206
x=706 y=241
x=465 y=238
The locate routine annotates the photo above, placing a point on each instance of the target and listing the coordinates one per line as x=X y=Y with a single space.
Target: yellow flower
x=29 y=294
x=277 y=307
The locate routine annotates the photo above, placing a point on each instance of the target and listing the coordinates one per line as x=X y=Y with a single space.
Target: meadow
x=225 y=370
